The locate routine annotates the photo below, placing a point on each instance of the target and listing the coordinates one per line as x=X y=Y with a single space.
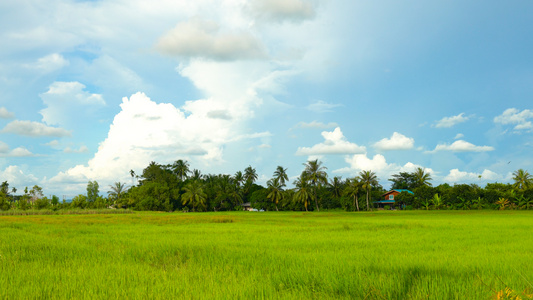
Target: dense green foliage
x=246 y=255
x=175 y=187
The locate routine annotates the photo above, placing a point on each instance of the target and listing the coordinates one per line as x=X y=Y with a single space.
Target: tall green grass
x=242 y=255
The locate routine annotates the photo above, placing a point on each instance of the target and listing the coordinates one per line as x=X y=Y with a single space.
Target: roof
x=385 y=201
x=399 y=191
x=246 y=204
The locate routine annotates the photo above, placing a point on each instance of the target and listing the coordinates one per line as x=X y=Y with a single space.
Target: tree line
x=177 y=187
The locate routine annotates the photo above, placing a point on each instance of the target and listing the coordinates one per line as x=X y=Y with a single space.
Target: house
x=389 y=198
x=247 y=206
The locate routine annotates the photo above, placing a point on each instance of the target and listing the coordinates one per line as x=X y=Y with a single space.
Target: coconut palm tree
x=194 y=194
x=181 y=169
x=281 y=175
x=196 y=174
x=422 y=178
x=14 y=190
x=238 y=178
x=336 y=186
x=522 y=179
x=316 y=174
x=368 y=180
x=352 y=189
x=117 y=190
x=250 y=175
x=303 y=189
x=275 y=191
x=132 y=173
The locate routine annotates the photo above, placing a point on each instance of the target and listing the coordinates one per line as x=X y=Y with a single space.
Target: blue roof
x=384 y=201
x=400 y=191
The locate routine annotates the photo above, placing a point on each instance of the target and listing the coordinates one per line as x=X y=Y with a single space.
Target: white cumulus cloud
x=51 y=62
x=82 y=149
x=462 y=146
x=5 y=151
x=205 y=39
x=397 y=141
x=17 y=178
x=379 y=165
x=516 y=117
x=68 y=101
x=5 y=114
x=34 y=129
x=283 y=10
x=456 y=176
x=334 y=143
x=448 y=122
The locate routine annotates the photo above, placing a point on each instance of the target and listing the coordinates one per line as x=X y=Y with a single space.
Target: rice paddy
x=285 y=255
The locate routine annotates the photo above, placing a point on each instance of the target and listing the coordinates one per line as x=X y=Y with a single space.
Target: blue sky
x=92 y=89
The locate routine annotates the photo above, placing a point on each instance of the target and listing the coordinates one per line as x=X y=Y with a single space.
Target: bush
x=42 y=203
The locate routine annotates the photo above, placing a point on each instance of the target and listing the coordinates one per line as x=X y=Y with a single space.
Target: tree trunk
x=316 y=199
x=367 y=203
x=357 y=202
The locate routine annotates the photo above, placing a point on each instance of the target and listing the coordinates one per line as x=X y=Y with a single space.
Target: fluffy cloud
x=5 y=114
x=65 y=102
x=377 y=164
x=17 y=178
x=456 y=176
x=34 y=129
x=459 y=136
x=205 y=39
x=5 y=151
x=334 y=143
x=322 y=106
x=514 y=116
x=462 y=146
x=51 y=63
x=397 y=141
x=448 y=122
x=82 y=149
x=282 y=10
x=146 y=131
x=316 y=125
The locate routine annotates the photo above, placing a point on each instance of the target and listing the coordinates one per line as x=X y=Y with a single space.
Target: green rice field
x=253 y=255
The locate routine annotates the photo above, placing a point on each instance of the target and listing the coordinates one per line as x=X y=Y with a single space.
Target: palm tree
x=421 y=177
x=14 y=190
x=353 y=188
x=275 y=191
x=117 y=190
x=368 y=179
x=303 y=191
x=181 y=169
x=194 y=194
x=316 y=174
x=239 y=178
x=281 y=175
x=132 y=173
x=336 y=186
x=234 y=194
x=250 y=175
x=196 y=174
x=522 y=179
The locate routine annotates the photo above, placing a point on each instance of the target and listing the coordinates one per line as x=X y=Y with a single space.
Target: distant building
x=247 y=206
x=389 y=198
